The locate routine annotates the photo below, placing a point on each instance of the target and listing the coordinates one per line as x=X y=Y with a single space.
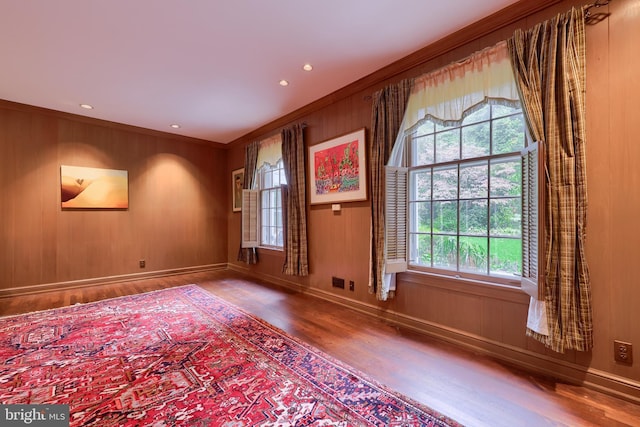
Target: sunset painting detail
x=93 y=188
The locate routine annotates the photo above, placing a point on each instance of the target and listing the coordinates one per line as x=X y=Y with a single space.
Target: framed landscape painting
x=337 y=169
x=93 y=188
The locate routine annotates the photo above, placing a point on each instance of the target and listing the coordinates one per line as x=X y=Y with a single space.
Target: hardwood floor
x=470 y=388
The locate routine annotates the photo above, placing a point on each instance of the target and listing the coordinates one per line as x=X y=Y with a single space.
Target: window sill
x=272 y=250
x=467 y=286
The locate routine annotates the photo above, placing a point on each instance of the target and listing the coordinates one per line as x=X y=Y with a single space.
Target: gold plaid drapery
x=549 y=67
x=389 y=105
x=294 y=203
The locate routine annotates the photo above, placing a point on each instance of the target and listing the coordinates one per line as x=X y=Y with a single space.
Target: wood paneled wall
x=180 y=217
x=489 y=319
x=178 y=201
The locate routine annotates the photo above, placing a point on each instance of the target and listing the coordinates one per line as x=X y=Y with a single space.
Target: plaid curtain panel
x=249 y=255
x=389 y=105
x=294 y=203
x=549 y=66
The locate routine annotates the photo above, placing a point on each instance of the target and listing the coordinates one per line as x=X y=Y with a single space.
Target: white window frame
x=262 y=210
x=270 y=179
x=531 y=157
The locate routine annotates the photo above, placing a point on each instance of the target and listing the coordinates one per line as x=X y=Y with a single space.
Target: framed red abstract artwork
x=337 y=169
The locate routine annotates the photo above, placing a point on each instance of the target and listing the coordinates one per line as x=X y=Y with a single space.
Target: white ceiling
x=212 y=66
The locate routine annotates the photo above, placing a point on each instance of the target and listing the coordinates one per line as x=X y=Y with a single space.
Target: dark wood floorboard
x=470 y=388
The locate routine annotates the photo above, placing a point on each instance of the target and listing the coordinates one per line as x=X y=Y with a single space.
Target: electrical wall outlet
x=352 y=286
x=143 y=263
x=337 y=282
x=623 y=352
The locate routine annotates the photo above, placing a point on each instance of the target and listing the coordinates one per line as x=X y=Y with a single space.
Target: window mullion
x=489 y=214
x=491 y=151
x=431 y=210
x=458 y=217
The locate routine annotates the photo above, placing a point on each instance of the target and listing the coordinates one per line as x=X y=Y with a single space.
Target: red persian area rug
x=183 y=357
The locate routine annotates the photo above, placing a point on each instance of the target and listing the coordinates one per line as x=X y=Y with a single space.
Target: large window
x=270 y=178
x=262 y=216
x=465 y=194
x=462 y=190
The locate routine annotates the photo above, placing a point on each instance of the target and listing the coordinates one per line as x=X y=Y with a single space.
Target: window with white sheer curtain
x=456 y=173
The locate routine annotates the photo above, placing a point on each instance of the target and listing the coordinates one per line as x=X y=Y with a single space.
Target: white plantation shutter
x=532 y=199
x=396 y=219
x=250 y=219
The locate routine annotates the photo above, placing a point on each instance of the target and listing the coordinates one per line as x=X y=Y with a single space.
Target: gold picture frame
x=237 y=182
x=93 y=188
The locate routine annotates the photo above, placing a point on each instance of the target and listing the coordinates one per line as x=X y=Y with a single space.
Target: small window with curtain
x=262 y=205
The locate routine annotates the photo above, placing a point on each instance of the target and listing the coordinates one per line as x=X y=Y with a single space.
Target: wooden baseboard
x=571 y=373
x=97 y=281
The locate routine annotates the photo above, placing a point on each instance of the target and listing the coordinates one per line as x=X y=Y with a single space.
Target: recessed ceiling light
x=283 y=82
x=307 y=67
x=86 y=106
x=175 y=126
